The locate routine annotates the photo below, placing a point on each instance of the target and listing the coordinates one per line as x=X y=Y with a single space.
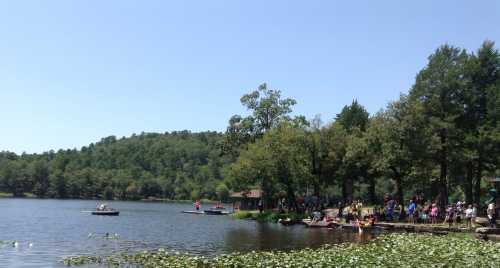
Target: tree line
x=441 y=140
x=177 y=165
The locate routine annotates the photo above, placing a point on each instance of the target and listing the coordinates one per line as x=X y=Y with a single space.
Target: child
x=434 y=213
x=423 y=215
x=450 y=215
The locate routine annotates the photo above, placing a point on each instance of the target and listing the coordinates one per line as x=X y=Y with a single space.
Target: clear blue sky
x=72 y=72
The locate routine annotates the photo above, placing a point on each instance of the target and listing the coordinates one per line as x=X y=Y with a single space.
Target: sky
x=73 y=72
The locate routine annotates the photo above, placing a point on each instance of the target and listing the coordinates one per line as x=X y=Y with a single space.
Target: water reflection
x=273 y=236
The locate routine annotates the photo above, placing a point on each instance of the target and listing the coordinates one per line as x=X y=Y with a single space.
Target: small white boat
x=193 y=212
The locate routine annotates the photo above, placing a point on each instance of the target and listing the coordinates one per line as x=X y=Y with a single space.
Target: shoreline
x=4 y=195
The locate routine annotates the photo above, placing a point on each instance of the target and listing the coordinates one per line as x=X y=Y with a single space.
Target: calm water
x=59 y=228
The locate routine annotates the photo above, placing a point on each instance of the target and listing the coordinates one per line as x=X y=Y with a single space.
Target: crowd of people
x=417 y=210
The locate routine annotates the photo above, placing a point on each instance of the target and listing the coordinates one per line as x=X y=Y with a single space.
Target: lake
x=59 y=228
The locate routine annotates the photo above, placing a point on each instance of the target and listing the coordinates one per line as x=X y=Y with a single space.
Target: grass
x=9 y=195
x=391 y=250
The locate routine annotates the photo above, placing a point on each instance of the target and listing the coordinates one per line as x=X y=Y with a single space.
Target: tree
x=353 y=116
x=14 y=177
x=268 y=107
x=238 y=134
x=334 y=150
x=39 y=172
x=438 y=88
x=277 y=162
x=479 y=119
x=57 y=185
x=353 y=120
x=398 y=141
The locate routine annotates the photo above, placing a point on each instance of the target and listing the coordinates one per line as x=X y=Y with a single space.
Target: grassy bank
x=267 y=216
x=392 y=250
x=10 y=195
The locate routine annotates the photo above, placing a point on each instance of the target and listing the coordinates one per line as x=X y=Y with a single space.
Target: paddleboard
x=193 y=212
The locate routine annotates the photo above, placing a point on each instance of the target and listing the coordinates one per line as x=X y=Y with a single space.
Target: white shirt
x=468 y=213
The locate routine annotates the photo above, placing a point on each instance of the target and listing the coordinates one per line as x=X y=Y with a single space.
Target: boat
x=319 y=224
x=193 y=211
x=106 y=212
x=216 y=212
x=286 y=222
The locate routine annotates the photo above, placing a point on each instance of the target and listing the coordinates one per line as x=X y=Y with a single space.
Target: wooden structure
x=246 y=200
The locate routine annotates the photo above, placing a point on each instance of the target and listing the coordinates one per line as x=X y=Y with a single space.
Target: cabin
x=246 y=200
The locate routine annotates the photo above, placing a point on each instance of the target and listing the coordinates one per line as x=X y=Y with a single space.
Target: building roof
x=254 y=193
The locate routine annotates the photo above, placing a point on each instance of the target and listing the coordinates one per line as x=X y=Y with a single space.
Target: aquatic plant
x=268 y=216
x=392 y=250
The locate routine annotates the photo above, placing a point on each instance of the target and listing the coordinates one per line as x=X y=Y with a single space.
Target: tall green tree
x=39 y=171
x=480 y=117
x=438 y=88
x=353 y=119
x=353 y=116
x=268 y=107
x=277 y=162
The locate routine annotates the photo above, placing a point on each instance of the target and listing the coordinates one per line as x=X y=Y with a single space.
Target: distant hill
x=176 y=165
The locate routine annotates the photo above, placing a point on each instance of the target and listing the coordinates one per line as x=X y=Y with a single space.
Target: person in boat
x=219 y=205
x=359 y=209
x=316 y=216
x=197 y=205
x=102 y=207
x=371 y=219
x=354 y=209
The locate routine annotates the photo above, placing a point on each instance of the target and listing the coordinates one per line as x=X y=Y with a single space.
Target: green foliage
x=177 y=165
x=353 y=116
x=268 y=216
x=393 y=250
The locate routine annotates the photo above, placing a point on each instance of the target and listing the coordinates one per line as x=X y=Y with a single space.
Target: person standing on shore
x=434 y=213
x=492 y=215
x=468 y=217
x=474 y=215
x=260 y=206
x=411 y=211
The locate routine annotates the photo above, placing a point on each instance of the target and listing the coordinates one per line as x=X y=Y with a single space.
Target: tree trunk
x=347 y=189
x=371 y=190
x=266 y=198
x=398 y=180
x=469 y=198
x=292 y=204
x=443 y=185
x=477 y=184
